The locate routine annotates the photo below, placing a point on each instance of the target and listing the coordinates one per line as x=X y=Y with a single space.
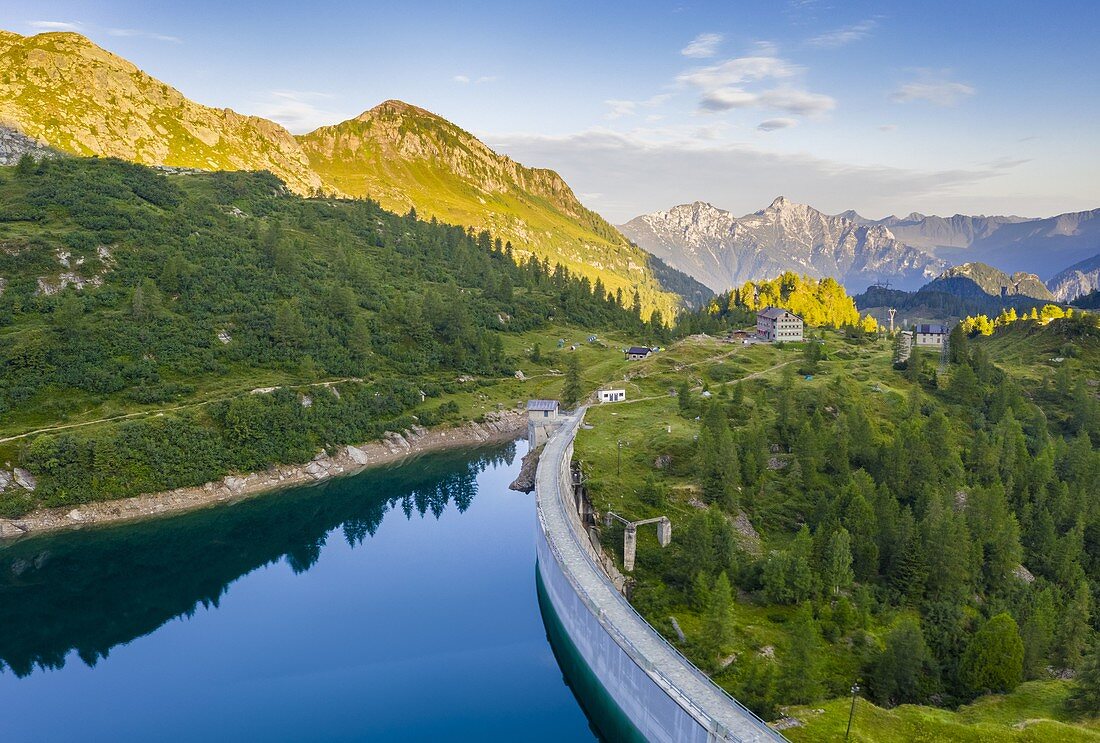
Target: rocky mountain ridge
x=1077 y=280
x=980 y=279
x=723 y=250
x=1013 y=243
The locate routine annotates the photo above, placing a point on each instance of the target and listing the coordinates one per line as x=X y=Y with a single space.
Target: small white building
x=930 y=335
x=778 y=324
x=612 y=395
x=637 y=353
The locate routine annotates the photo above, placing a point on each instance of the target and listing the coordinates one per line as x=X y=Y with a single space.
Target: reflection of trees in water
x=90 y=591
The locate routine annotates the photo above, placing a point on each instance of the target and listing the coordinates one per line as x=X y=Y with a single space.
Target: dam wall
x=662 y=695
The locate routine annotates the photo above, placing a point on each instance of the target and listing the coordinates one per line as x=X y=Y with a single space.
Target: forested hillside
x=69 y=93
x=932 y=536
x=124 y=289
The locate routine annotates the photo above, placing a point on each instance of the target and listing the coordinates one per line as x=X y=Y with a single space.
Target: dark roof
x=638 y=349
x=542 y=404
x=774 y=313
x=933 y=329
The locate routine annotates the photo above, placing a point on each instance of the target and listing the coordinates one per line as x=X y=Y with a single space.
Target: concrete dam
x=648 y=688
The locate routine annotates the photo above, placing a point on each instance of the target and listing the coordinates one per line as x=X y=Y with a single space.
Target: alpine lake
x=397 y=604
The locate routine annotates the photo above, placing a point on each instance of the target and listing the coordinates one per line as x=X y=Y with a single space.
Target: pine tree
x=1071 y=634
x=718 y=624
x=994 y=658
x=573 y=391
x=1085 y=696
x=755 y=685
x=958 y=351
x=719 y=471
x=800 y=675
x=800 y=575
x=1037 y=633
x=859 y=519
x=902 y=670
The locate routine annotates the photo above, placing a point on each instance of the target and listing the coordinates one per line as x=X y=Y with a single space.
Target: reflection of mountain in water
x=90 y=591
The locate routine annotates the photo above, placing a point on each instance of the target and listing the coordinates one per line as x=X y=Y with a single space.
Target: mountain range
x=64 y=91
x=1012 y=243
x=723 y=250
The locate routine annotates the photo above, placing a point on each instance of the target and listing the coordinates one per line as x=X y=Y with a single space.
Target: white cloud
x=933 y=88
x=620 y=108
x=797 y=101
x=887 y=127
x=842 y=36
x=651 y=169
x=57 y=26
x=772 y=125
x=730 y=85
x=761 y=66
x=702 y=46
x=466 y=79
x=144 y=34
x=297 y=110
x=790 y=100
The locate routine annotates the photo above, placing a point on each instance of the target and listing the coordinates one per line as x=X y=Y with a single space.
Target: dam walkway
x=703 y=710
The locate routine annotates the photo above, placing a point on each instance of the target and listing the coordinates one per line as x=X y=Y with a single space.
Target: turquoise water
x=394 y=605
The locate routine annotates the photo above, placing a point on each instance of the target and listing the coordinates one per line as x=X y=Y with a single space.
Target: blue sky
x=937 y=106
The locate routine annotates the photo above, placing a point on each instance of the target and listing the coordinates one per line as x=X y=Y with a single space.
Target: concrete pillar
x=664 y=531
x=630 y=547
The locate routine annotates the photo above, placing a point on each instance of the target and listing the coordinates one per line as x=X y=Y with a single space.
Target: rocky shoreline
x=394 y=447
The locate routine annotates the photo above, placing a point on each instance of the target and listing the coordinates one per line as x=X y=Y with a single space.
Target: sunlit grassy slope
x=79 y=98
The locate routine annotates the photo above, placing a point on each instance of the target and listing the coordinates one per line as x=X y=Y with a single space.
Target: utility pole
x=619 y=459
x=892 y=311
x=852 y=712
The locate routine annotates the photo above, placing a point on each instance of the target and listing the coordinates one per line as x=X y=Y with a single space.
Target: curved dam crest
x=662 y=695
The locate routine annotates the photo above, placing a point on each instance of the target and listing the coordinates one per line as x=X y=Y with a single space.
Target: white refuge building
x=778 y=324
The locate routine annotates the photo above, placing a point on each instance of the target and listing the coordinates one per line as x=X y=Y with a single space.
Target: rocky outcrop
x=14 y=144
x=525 y=481
x=1077 y=280
x=394 y=447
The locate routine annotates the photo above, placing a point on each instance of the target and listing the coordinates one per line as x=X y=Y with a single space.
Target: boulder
x=5 y=480
x=25 y=479
x=10 y=530
x=356 y=455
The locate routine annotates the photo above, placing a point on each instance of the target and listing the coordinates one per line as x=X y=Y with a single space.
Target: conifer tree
x=903 y=668
x=1085 y=696
x=994 y=658
x=573 y=391
x=719 y=626
x=800 y=674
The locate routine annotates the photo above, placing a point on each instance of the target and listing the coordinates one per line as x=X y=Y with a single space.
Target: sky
x=939 y=107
